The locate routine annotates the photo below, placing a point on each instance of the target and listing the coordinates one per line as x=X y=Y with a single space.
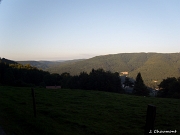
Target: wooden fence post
x=150 y=118
x=34 y=103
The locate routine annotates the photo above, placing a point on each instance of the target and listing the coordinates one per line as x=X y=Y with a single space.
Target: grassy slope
x=82 y=112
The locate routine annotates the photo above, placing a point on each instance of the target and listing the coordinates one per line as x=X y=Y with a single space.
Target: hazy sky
x=73 y=29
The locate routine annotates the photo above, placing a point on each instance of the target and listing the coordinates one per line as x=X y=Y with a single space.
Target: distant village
x=129 y=89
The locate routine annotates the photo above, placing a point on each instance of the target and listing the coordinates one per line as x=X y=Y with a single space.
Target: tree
x=169 y=87
x=65 y=78
x=83 y=80
x=139 y=86
x=8 y=76
x=73 y=82
x=104 y=81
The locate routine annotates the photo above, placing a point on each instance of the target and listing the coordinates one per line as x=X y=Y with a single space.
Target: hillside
x=39 y=64
x=44 y=65
x=34 y=64
x=7 y=61
x=153 y=66
x=82 y=112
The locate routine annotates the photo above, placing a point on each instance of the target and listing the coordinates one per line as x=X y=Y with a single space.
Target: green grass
x=80 y=112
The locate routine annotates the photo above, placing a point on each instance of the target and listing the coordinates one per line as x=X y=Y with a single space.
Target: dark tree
x=169 y=87
x=3 y=68
x=12 y=73
x=104 y=81
x=74 y=82
x=65 y=79
x=83 y=80
x=139 y=86
x=8 y=76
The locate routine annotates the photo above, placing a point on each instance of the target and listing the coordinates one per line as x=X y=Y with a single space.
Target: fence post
x=34 y=103
x=150 y=118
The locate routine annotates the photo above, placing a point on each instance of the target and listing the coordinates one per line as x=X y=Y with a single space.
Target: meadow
x=82 y=112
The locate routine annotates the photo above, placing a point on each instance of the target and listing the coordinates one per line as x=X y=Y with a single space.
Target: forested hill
x=153 y=66
x=7 y=61
x=44 y=65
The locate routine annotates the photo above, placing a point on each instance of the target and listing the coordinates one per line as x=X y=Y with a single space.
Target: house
x=124 y=73
x=153 y=92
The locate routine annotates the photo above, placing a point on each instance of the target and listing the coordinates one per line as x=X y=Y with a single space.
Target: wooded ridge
x=153 y=66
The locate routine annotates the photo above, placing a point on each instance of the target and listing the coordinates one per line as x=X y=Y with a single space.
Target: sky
x=77 y=29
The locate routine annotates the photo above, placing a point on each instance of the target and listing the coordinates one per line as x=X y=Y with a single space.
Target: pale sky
x=75 y=29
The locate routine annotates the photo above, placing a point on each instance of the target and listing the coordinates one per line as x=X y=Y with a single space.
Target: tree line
x=170 y=88
x=28 y=76
x=164 y=65
x=20 y=75
x=97 y=80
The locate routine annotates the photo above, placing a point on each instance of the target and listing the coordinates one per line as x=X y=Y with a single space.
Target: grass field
x=80 y=112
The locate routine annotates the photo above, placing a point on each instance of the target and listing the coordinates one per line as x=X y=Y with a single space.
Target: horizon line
x=86 y=58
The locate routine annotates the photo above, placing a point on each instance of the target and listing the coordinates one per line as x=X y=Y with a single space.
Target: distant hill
x=44 y=65
x=153 y=66
x=7 y=61
x=39 y=64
